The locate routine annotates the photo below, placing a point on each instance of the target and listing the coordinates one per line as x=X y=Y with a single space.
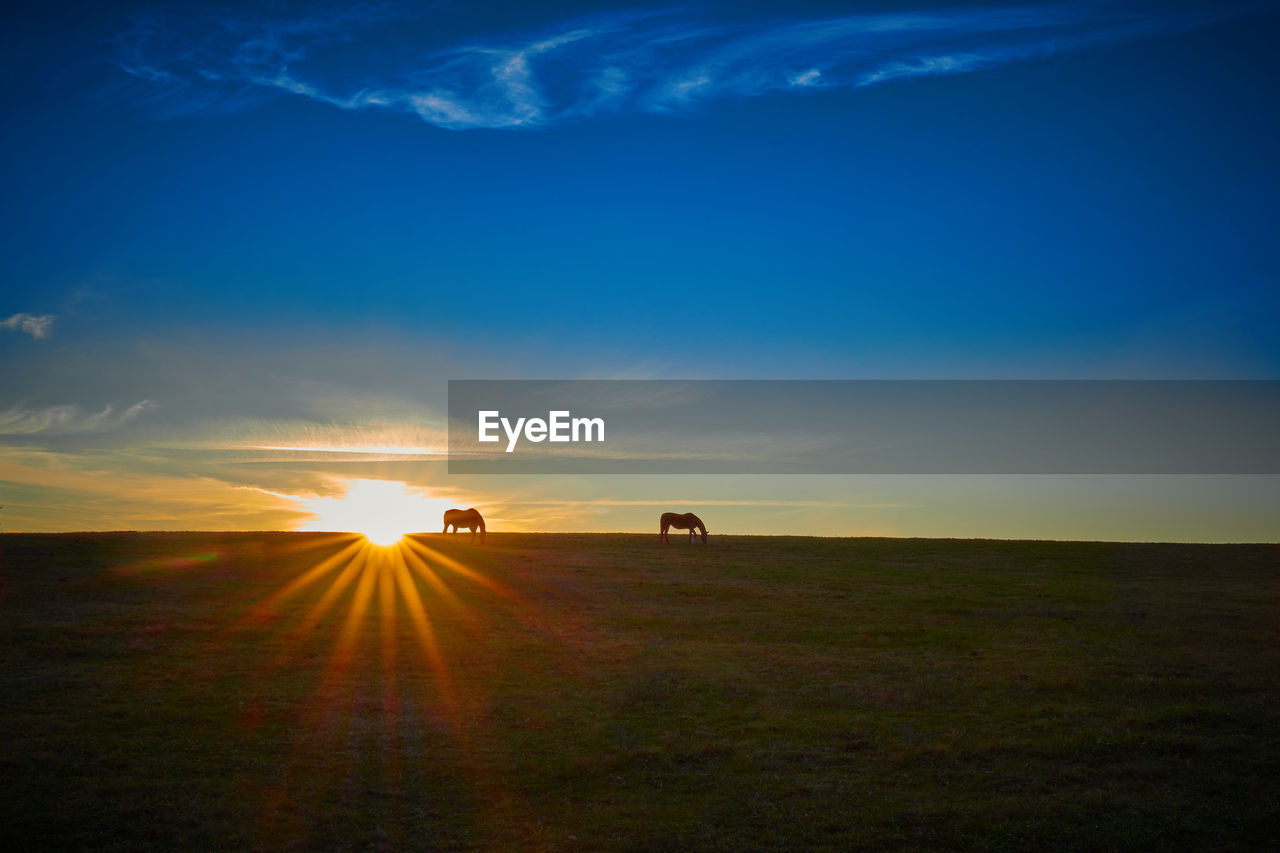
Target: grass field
x=593 y=692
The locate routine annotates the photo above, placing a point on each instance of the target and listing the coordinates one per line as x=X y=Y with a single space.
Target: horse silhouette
x=681 y=521
x=460 y=518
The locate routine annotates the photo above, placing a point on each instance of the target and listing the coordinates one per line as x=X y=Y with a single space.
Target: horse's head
x=704 y=536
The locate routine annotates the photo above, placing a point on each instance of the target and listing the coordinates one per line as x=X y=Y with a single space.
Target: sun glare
x=383 y=511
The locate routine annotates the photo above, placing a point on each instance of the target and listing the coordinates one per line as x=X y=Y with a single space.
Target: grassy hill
x=562 y=692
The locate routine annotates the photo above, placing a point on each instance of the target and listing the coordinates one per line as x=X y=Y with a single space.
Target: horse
x=460 y=518
x=681 y=521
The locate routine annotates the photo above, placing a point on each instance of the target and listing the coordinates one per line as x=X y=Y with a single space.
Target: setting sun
x=383 y=511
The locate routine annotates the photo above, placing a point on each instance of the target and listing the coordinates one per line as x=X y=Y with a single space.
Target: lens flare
x=378 y=658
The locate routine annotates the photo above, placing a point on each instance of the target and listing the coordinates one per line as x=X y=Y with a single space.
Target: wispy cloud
x=68 y=419
x=36 y=325
x=309 y=440
x=640 y=61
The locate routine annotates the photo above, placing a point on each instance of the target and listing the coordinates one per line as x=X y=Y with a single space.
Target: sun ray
x=422 y=625
x=429 y=669
x=387 y=624
x=426 y=663
x=317 y=541
x=423 y=570
x=344 y=648
x=308 y=577
x=427 y=553
x=294 y=636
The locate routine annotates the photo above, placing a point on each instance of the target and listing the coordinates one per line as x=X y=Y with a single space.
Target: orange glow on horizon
x=382 y=511
x=383 y=538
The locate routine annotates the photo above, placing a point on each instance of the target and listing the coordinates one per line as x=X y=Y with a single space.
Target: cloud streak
x=671 y=61
x=36 y=325
x=67 y=420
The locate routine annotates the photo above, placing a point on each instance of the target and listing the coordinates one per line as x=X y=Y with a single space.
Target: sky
x=245 y=246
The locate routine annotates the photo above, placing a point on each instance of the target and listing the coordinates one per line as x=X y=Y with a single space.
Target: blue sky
x=226 y=228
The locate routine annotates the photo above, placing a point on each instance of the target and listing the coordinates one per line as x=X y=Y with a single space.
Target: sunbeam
x=386 y=660
x=358 y=582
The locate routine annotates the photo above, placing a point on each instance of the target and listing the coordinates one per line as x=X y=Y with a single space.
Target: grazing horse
x=460 y=518
x=681 y=521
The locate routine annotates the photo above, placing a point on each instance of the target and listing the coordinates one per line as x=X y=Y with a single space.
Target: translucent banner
x=864 y=427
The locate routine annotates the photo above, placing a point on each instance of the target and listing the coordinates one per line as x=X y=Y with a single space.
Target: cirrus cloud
x=668 y=61
x=67 y=419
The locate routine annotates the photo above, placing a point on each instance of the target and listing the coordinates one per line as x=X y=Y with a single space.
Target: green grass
x=171 y=691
